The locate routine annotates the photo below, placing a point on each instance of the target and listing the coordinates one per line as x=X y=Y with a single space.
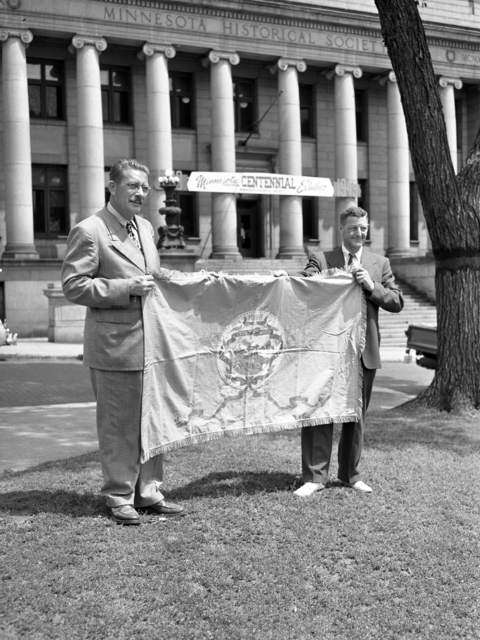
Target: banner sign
x=344 y=188
x=262 y=183
x=237 y=355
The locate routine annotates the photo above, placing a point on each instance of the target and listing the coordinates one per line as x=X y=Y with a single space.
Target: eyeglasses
x=354 y=229
x=135 y=186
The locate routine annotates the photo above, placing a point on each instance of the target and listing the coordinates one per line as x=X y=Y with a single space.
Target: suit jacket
x=385 y=294
x=100 y=259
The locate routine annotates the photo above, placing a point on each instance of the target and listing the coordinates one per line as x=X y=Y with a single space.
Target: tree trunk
x=451 y=208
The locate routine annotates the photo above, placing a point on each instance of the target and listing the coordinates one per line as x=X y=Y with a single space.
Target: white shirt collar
x=356 y=256
x=119 y=217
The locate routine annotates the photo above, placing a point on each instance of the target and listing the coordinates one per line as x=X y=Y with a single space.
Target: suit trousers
x=317 y=443
x=119 y=412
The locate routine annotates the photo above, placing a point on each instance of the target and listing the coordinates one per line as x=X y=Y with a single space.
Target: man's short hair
x=352 y=212
x=121 y=166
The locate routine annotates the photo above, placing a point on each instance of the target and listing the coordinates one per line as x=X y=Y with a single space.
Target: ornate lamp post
x=171 y=234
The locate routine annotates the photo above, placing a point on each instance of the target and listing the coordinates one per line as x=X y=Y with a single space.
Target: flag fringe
x=363 y=337
x=241 y=431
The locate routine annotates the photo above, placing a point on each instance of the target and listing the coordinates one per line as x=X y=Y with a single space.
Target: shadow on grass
x=88 y=504
x=236 y=483
x=62 y=502
x=398 y=429
x=406 y=426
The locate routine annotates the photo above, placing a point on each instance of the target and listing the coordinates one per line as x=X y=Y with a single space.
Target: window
x=459 y=123
x=106 y=178
x=306 y=110
x=362 y=202
x=2 y=301
x=181 y=100
x=188 y=204
x=360 y=116
x=45 y=89
x=414 y=212
x=116 y=94
x=49 y=200
x=310 y=230
x=243 y=98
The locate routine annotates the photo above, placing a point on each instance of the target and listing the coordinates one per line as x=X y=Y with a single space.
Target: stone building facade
x=300 y=88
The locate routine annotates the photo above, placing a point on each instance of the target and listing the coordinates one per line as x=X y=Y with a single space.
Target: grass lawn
x=251 y=561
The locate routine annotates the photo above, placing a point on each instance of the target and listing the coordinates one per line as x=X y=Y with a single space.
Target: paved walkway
x=40 y=348
x=47 y=410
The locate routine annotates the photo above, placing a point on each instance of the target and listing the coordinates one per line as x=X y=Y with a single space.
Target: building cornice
x=340 y=21
x=255 y=14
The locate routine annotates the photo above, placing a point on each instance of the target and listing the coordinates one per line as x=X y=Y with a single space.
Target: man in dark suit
x=374 y=274
x=109 y=263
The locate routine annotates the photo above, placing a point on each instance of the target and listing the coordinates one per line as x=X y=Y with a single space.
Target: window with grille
x=116 y=95
x=187 y=202
x=362 y=202
x=306 y=110
x=310 y=229
x=459 y=122
x=244 y=104
x=181 y=100
x=50 y=211
x=46 y=89
x=361 y=115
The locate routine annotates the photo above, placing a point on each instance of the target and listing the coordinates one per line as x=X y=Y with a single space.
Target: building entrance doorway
x=249 y=228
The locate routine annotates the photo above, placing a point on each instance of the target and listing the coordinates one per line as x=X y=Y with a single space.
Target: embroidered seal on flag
x=250 y=349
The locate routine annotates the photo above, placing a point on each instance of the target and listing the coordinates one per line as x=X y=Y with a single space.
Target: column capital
x=342 y=69
x=387 y=77
x=215 y=56
x=78 y=42
x=444 y=82
x=284 y=63
x=150 y=48
x=25 y=35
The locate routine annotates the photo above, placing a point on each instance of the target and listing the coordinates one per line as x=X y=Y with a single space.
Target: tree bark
x=451 y=208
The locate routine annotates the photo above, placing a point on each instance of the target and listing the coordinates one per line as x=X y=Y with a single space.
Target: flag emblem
x=250 y=349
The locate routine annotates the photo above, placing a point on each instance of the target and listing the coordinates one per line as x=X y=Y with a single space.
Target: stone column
x=17 y=149
x=398 y=172
x=447 y=96
x=159 y=121
x=91 y=160
x=345 y=130
x=290 y=155
x=224 y=205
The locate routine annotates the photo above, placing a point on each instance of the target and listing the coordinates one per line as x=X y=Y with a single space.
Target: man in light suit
x=109 y=263
x=374 y=274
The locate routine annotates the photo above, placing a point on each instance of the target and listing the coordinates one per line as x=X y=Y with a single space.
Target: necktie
x=350 y=259
x=132 y=234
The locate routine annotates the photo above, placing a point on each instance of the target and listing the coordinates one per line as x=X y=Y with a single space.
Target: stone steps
x=260 y=266
x=417 y=310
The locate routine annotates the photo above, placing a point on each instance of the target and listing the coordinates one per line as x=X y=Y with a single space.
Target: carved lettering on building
x=246 y=30
x=155 y=18
x=354 y=43
x=11 y=4
x=275 y=34
x=471 y=58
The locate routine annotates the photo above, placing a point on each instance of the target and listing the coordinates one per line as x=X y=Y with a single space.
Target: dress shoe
x=308 y=489
x=359 y=486
x=125 y=514
x=164 y=508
